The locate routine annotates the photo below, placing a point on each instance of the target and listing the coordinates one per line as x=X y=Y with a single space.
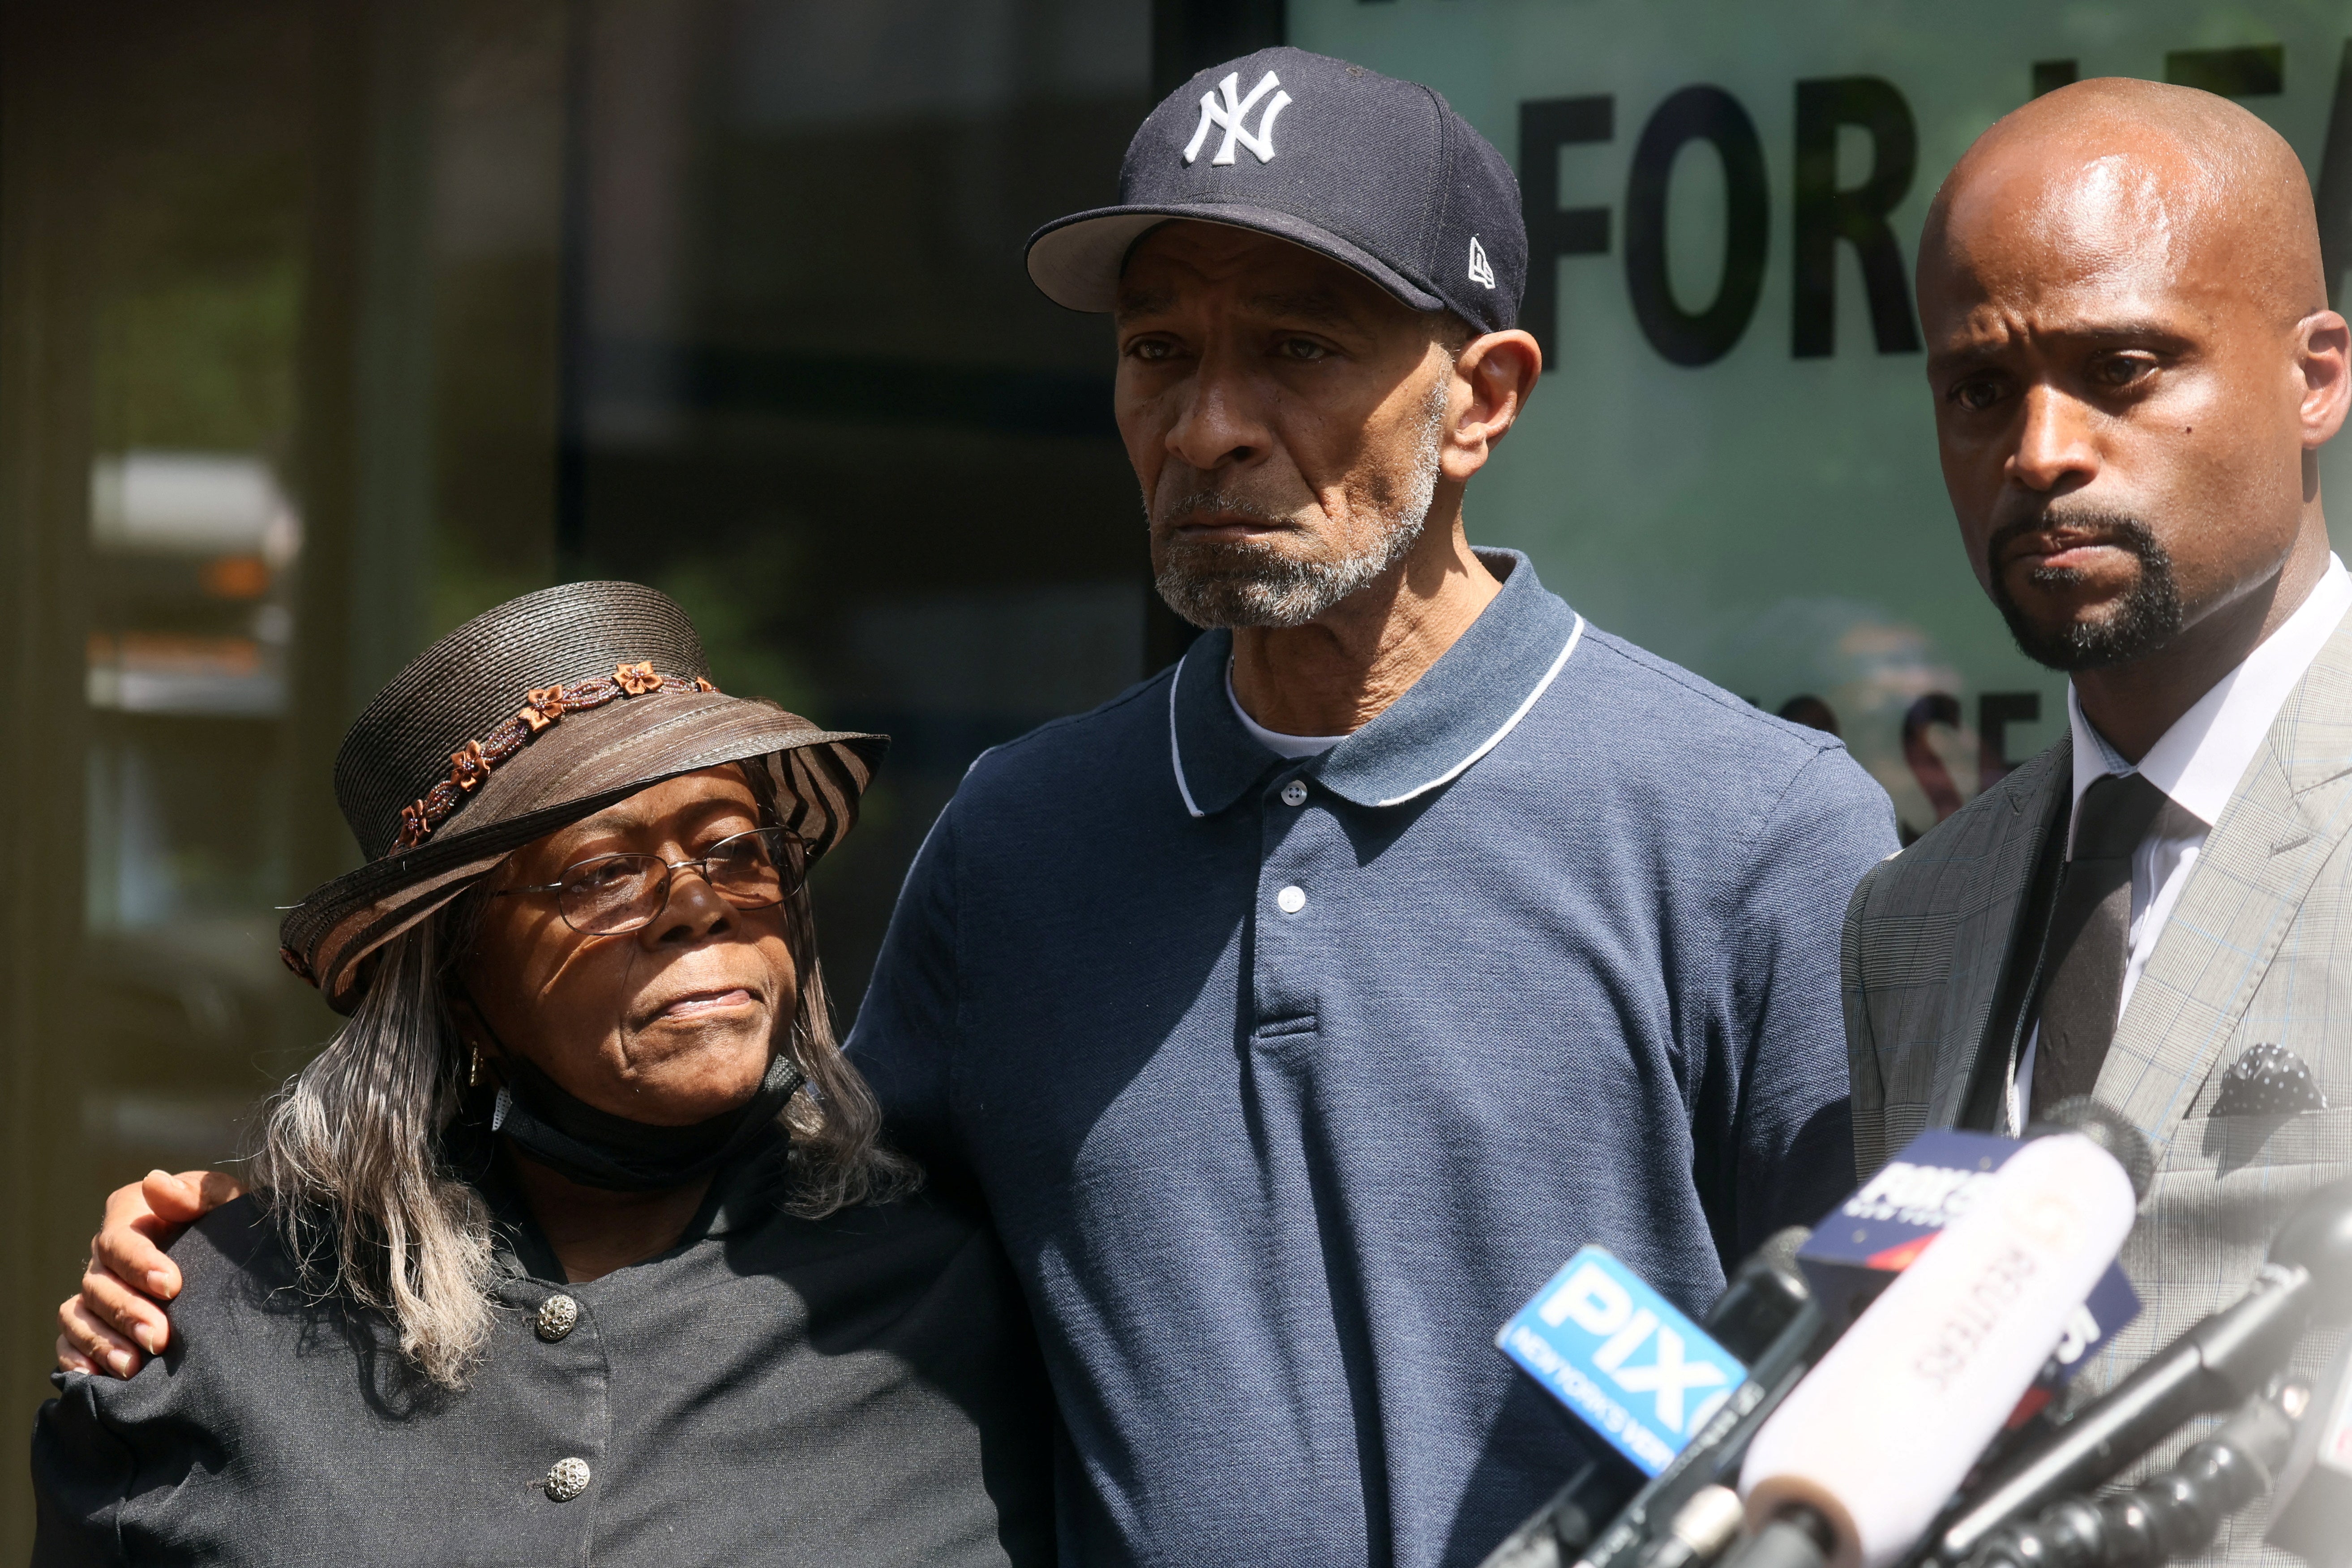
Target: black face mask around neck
x=597 y=1149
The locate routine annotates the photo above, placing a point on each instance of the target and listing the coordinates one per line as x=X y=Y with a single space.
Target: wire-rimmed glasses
x=610 y=894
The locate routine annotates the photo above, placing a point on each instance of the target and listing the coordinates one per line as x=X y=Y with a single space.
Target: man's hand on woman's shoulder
x=117 y=1320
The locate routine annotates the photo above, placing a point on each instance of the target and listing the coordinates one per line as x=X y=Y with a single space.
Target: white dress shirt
x=2198 y=765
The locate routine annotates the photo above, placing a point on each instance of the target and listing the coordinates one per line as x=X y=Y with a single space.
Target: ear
x=2324 y=359
x=473 y=1032
x=1493 y=377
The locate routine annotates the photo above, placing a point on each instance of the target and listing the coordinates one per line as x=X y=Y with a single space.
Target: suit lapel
x=1986 y=957
x=2282 y=824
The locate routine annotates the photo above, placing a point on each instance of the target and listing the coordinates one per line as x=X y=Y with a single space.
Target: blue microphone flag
x=1618 y=1353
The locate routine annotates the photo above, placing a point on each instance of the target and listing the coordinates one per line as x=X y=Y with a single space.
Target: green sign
x=1732 y=458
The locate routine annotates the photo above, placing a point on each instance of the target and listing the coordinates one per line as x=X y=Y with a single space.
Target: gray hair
x=348 y=1157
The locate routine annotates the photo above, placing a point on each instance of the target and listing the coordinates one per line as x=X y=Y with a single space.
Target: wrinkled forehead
x=1185 y=262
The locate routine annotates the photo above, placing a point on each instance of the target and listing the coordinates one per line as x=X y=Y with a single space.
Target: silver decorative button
x=557 y=1315
x=567 y=1479
x=1294 y=792
x=1290 y=901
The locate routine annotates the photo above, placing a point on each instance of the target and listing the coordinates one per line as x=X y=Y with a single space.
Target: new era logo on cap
x=1230 y=115
x=1379 y=174
x=1482 y=271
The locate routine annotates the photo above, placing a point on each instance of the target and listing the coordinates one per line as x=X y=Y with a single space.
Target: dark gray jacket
x=862 y=1389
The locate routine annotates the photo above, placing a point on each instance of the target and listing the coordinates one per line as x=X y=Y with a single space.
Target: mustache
x=1194 y=502
x=2118 y=529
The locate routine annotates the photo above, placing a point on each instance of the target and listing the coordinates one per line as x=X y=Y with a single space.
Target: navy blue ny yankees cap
x=1379 y=174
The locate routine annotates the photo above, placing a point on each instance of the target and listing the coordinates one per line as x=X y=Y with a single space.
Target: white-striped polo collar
x=1458 y=710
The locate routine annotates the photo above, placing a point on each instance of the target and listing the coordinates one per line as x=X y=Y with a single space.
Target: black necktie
x=2090 y=936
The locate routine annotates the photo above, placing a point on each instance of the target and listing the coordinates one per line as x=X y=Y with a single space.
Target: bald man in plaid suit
x=2134 y=366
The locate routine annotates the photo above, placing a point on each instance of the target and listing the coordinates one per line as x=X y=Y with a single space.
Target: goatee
x=2148 y=617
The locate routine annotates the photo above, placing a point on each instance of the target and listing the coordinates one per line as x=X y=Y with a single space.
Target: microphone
x=1765 y=1296
x=2222 y=1360
x=2312 y=1516
x=2106 y=1127
x=1796 y=1335
x=1679 y=1517
x=2170 y=1516
x=1861 y=1456
x=1900 y=1211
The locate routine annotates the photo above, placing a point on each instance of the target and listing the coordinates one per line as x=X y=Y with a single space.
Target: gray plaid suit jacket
x=1938 y=940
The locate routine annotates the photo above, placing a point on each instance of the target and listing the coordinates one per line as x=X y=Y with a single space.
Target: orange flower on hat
x=469 y=767
x=542 y=708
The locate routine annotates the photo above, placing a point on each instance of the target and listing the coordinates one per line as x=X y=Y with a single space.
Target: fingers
x=212 y=1188
x=115 y=1322
x=86 y=1343
x=143 y=1220
x=124 y=1311
x=181 y=1199
x=130 y=1245
x=170 y=1198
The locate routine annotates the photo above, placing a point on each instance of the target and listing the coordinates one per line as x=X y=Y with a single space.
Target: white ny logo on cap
x=1230 y=114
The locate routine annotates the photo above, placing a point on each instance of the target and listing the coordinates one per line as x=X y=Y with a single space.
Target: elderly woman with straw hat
x=576 y=1243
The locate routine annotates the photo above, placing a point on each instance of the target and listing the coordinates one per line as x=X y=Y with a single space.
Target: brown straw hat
x=528 y=717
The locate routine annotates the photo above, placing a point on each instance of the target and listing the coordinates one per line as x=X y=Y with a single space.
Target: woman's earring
x=473 y=1067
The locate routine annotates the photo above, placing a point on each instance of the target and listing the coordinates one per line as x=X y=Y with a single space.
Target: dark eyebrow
x=620 y=817
x=2147 y=335
x=1943 y=360
x=1321 y=306
x=612 y=819
x=2114 y=334
x=1134 y=302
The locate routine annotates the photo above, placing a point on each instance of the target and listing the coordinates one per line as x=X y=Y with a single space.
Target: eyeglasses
x=614 y=893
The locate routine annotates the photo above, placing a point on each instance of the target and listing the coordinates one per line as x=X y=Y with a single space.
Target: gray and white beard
x=1248 y=582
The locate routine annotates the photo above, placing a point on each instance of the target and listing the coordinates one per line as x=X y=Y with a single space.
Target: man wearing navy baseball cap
x=1300 y=1011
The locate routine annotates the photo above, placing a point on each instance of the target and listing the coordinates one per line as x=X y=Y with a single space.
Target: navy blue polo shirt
x=1287 y=1081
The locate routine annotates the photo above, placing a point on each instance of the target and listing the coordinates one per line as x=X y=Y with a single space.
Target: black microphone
x=2170 y=1516
x=2106 y=1127
x=2220 y=1362
x=1766 y=1296
x=1785 y=1325
x=2313 y=1515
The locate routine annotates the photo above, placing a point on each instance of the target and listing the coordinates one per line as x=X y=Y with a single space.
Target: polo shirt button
x=1290 y=901
x=1294 y=792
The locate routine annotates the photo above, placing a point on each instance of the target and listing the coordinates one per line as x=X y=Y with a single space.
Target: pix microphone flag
x=1618 y=1355
x=1600 y=1514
